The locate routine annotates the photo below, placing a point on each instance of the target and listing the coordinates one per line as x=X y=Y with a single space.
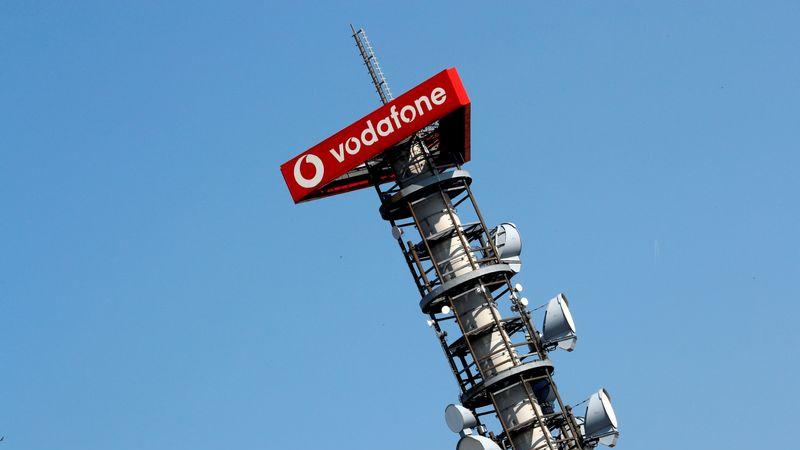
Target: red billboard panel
x=321 y=169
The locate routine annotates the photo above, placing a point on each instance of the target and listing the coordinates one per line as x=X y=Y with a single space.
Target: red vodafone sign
x=438 y=97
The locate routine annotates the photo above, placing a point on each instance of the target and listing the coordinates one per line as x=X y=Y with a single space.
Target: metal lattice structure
x=484 y=328
x=373 y=67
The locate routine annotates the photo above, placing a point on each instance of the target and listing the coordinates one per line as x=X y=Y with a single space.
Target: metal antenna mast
x=491 y=370
x=462 y=270
x=371 y=61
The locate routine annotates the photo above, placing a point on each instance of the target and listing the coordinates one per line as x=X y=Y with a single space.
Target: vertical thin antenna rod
x=374 y=68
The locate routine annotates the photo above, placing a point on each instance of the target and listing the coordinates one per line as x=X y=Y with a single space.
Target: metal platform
x=490 y=276
x=452 y=183
x=471 y=232
x=478 y=395
x=459 y=347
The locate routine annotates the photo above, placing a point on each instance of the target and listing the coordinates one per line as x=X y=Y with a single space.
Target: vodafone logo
x=332 y=166
x=319 y=170
x=395 y=118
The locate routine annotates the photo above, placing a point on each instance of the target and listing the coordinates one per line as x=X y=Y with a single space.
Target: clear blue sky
x=159 y=290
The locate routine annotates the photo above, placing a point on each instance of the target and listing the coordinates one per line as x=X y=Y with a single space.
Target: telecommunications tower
x=411 y=150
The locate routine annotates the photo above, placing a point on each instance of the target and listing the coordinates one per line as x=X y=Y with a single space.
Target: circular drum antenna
x=459 y=418
x=600 y=422
x=558 y=329
x=470 y=442
x=509 y=244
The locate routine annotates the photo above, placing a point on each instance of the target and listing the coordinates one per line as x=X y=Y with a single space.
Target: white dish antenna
x=558 y=329
x=509 y=244
x=470 y=442
x=459 y=418
x=600 y=422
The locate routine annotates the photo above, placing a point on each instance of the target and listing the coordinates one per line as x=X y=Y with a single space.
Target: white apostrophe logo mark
x=319 y=169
